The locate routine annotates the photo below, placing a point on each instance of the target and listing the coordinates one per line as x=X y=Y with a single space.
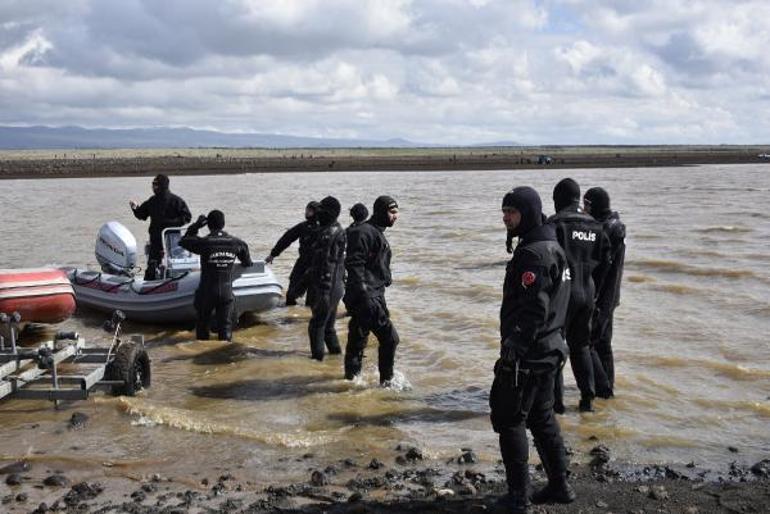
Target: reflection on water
x=690 y=337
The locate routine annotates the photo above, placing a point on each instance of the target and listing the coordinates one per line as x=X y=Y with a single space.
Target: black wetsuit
x=368 y=274
x=305 y=232
x=607 y=298
x=535 y=297
x=326 y=287
x=587 y=249
x=218 y=252
x=164 y=209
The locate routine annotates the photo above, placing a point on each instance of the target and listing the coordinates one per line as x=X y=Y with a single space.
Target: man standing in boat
x=305 y=232
x=326 y=279
x=165 y=209
x=535 y=297
x=368 y=267
x=218 y=252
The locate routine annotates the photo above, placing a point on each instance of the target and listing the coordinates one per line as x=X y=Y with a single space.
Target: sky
x=433 y=71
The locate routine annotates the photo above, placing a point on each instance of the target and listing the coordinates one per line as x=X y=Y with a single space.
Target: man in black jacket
x=305 y=232
x=587 y=249
x=596 y=202
x=368 y=267
x=535 y=297
x=326 y=279
x=359 y=213
x=164 y=209
x=218 y=252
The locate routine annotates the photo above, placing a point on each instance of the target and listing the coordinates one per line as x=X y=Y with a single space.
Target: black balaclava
x=525 y=200
x=382 y=205
x=599 y=200
x=162 y=181
x=216 y=220
x=329 y=211
x=312 y=205
x=359 y=212
x=566 y=194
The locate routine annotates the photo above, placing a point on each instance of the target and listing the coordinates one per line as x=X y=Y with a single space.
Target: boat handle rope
x=108 y=289
x=155 y=288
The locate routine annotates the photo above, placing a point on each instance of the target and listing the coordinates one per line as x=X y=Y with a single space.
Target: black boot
x=557 y=490
x=517 y=499
x=585 y=405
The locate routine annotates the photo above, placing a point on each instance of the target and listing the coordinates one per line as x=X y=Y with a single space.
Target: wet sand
x=191 y=161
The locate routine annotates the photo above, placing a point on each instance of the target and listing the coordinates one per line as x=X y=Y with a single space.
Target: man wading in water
x=535 y=298
x=368 y=267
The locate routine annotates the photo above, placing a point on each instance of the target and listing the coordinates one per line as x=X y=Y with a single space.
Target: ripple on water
x=669 y=266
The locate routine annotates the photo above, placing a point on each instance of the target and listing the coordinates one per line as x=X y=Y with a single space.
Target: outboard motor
x=116 y=249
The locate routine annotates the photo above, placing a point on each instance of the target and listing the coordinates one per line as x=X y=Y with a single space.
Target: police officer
x=165 y=209
x=535 y=298
x=368 y=268
x=587 y=250
x=218 y=252
x=305 y=232
x=359 y=213
x=326 y=279
x=596 y=202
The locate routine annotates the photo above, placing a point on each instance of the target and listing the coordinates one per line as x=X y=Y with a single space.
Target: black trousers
x=604 y=362
x=298 y=282
x=577 y=332
x=208 y=302
x=154 y=259
x=370 y=315
x=521 y=402
x=321 y=327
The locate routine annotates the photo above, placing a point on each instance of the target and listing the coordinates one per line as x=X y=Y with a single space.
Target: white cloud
x=451 y=71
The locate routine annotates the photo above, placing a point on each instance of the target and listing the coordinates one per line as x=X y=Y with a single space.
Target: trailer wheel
x=132 y=366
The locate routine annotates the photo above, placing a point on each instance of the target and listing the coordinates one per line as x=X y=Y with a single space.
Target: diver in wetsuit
x=218 y=252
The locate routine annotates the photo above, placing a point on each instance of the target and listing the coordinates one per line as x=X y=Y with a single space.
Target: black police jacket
x=327 y=269
x=608 y=292
x=218 y=252
x=535 y=297
x=165 y=210
x=305 y=232
x=587 y=249
x=368 y=261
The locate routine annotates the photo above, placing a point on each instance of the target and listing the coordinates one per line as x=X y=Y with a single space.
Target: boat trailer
x=34 y=373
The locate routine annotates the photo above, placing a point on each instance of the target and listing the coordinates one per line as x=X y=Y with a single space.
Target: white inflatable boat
x=118 y=285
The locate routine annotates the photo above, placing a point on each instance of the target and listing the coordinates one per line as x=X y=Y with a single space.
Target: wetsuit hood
x=329 y=211
x=599 y=201
x=380 y=211
x=566 y=194
x=162 y=182
x=525 y=200
x=216 y=220
x=359 y=212
x=315 y=206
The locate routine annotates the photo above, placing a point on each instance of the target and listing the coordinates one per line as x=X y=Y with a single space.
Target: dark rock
x=226 y=477
x=761 y=468
x=308 y=456
x=401 y=460
x=355 y=497
x=138 y=496
x=732 y=449
x=414 y=454
x=149 y=488
x=468 y=457
x=56 y=480
x=21 y=466
x=230 y=505
x=77 y=421
x=14 y=479
x=22 y=497
x=349 y=463
x=330 y=470
x=658 y=493
x=83 y=491
x=376 y=464
x=318 y=479
x=601 y=455
x=205 y=482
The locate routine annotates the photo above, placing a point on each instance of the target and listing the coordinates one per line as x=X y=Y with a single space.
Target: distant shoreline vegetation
x=69 y=163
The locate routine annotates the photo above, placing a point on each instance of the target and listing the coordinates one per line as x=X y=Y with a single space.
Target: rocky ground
x=408 y=483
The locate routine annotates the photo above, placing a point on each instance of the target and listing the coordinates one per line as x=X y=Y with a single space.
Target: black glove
x=201 y=221
x=511 y=351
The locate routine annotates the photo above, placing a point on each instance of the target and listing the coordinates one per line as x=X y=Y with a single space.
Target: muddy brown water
x=693 y=362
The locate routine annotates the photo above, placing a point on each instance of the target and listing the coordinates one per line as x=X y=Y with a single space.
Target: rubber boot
x=557 y=490
x=333 y=344
x=585 y=405
x=517 y=499
x=353 y=364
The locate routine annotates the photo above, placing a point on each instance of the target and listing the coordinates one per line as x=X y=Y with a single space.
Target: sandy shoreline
x=127 y=162
x=404 y=483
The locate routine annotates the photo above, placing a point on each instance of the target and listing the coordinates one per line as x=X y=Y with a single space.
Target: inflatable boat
x=169 y=299
x=42 y=295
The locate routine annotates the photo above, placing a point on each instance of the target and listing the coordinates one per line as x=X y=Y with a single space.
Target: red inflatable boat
x=41 y=295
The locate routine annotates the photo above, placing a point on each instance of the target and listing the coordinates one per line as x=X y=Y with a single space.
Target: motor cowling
x=115 y=249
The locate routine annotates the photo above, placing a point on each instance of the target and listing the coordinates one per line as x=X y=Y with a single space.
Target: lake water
x=693 y=362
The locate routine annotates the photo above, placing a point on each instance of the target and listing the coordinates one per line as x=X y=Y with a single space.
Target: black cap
x=599 y=200
x=329 y=211
x=565 y=194
x=382 y=205
x=525 y=200
x=359 y=212
x=216 y=220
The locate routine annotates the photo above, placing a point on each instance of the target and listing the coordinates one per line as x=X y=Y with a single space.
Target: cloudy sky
x=440 y=71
